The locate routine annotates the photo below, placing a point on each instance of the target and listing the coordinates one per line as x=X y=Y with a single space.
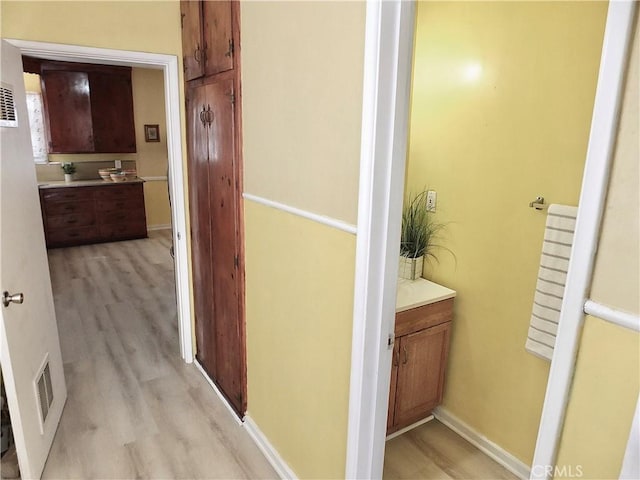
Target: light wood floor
x=433 y=451
x=134 y=408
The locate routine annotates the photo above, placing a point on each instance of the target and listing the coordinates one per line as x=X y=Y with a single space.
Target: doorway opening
x=168 y=64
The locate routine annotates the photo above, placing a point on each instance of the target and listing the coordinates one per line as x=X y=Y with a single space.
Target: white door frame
x=388 y=58
x=389 y=35
x=170 y=67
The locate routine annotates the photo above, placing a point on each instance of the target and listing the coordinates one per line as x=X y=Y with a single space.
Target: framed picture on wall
x=152 y=133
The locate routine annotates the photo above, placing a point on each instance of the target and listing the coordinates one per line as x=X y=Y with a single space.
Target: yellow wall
x=606 y=383
x=152 y=159
x=307 y=107
x=302 y=90
x=299 y=307
x=502 y=100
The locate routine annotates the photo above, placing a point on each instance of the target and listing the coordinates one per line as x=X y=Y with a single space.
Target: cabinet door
x=68 y=111
x=229 y=340
x=112 y=112
x=192 y=52
x=198 y=171
x=218 y=45
x=423 y=357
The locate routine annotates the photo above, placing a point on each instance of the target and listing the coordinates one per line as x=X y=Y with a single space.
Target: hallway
x=134 y=408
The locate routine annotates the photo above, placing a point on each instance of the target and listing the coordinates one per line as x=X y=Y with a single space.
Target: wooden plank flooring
x=433 y=451
x=134 y=408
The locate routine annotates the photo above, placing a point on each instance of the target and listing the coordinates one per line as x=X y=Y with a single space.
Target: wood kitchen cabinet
x=78 y=215
x=419 y=362
x=88 y=108
x=207 y=38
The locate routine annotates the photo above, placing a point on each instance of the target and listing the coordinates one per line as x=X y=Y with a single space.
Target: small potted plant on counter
x=69 y=169
x=418 y=236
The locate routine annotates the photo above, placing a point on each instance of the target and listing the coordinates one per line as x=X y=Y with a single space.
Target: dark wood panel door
x=423 y=356
x=68 y=106
x=192 y=51
x=217 y=36
x=112 y=112
x=198 y=171
x=224 y=248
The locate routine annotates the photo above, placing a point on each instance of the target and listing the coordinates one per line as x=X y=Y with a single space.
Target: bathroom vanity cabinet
x=423 y=324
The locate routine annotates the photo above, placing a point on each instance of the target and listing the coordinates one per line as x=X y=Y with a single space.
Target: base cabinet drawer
x=72 y=236
x=419 y=364
x=93 y=214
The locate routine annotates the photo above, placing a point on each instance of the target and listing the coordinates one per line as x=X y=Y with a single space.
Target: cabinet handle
x=196 y=53
x=396 y=358
x=209 y=115
x=202 y=116
x=406 y=355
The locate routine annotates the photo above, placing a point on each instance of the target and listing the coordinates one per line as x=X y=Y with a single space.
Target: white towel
x=552 y=276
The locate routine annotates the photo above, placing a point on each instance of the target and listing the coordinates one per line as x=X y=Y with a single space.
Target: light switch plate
x=431 y=201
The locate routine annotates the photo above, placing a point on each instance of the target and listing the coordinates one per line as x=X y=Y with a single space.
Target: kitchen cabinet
x=419 y=361
x=93 y=213
x=215 y=244
x=207 y=38
x=88 y=108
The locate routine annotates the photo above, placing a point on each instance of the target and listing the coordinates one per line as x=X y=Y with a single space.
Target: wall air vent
x=7 y=107
x=44 y=392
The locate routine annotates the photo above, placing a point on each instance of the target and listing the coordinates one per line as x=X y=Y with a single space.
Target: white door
x=28 y=331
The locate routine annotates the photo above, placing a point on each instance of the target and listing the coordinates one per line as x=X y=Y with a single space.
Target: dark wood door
x=423 y=356
x=112 y=112
x=68 y=106
x=192 y=51
x=224 y=247
x=212 y=186
x=217 y=36
x=198 y=171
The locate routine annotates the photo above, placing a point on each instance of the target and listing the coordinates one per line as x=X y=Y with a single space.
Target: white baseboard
x=166 y=226
x=496 y=452
x=224 y=400
x=410 y=427
x=281 y=467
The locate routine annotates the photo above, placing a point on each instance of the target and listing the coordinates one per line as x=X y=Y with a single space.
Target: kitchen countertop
x=84 y=183
x=416 y=293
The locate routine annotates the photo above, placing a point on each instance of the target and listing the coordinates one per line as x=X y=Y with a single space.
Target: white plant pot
x=68 y=177
x=410 y=268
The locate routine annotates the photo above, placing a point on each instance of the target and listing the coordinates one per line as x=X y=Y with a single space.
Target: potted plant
x=418 y=236
x=69 y=169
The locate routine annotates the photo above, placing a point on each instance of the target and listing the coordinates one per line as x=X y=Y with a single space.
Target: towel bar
x=538 y=203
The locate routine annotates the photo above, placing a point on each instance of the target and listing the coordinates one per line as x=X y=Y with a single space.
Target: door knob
x=15 y=298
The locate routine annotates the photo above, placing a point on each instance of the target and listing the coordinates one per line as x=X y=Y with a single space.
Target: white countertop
x=416 y=293
x=84 y=183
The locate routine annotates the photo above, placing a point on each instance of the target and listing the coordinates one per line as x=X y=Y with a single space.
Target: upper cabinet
x=207 y=38
x=88 y=108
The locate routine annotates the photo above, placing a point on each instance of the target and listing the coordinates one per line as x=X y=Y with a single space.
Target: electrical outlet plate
x=431 y=201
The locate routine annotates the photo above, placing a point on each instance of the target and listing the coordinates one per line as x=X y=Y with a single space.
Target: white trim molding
x=162 y=226
x=281 y=467
x=595 y=181
x=489 y=448
x=169 y=65
x=324 y=220
x=160 y=178
x=617 y=317
x=388 y=57
x=631 y=461
x=404 y=430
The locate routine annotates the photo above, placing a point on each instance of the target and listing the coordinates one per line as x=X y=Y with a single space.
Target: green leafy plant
x=68 y=168
x=420 y=233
